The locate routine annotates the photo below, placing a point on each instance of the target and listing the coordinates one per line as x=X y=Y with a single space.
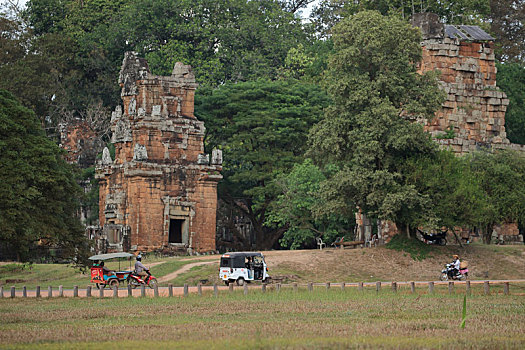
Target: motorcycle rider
x=140 y=269
x=455 y=264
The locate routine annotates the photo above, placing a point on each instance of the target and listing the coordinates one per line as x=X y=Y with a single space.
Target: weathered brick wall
x=160 y=172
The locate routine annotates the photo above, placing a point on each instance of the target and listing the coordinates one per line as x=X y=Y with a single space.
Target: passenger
x=106 y=271
x=249 y=266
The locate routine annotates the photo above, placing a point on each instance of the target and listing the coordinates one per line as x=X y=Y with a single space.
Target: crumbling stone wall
x=161 y=189
x=475 y=107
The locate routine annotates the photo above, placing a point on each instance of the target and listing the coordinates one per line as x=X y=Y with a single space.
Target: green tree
x=329 y=12
x=38 y=193
x=507 y=24
x=296 y=207
x=456 y=196
x=502 y=178
x=367 y=133
x=511 y=79
x=261 y=127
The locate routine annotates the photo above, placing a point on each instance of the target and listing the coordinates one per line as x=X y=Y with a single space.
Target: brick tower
x=160 y=191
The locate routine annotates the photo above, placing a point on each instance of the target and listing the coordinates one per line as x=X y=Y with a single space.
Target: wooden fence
x=171 y=291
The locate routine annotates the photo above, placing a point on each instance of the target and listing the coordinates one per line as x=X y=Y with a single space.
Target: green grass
x=417 y=249
x=198 y=273
x=318 y=320
x=61 y=274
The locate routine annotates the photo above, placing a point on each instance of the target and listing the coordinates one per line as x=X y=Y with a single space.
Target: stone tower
x=474 y=109
x=160 y=191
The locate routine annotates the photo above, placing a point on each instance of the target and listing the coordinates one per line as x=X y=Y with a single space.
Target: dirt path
x=183 y=269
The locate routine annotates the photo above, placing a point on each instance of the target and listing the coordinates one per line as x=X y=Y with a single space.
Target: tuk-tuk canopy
x=237 y=259
x=110 y=256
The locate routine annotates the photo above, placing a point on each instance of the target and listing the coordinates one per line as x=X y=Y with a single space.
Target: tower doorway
x=175 y=233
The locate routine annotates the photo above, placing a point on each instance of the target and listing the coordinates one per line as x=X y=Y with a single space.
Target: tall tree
x=296 y=208
x=261 y=127
x=507 y=24
x=511 y=79
x=38 y=193
x=372 y=78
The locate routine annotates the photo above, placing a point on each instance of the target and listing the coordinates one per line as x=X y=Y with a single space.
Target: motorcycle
x=448 y=273
x=434 y=238
x=135 y=280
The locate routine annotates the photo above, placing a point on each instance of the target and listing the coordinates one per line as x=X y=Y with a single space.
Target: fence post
x=360 y=286
x=278 y=287
x=61 y=291
x=343 y=286
x=13 y=291
x=412 y=287
x=199 y=289
x=24 y=291
x=170 y=290
x=486 y=287
x=310 y=286
x=185 y=290
x=142 y=291
x=506 y=288
x=467 y=287
x=101 y=291
x=295 y=287
x=88 y=291
x=156 y=290
x=130 y=290
x=450 y=287
x=115 y=292
x=263 y=287
x=230 y=287
x=394 y=287
x=378 y=286
x=327 y=285
x=245 y=289
x=37 y=292
x=431 y=287
x=1 y=291
x=49 y=292
x=216 y=290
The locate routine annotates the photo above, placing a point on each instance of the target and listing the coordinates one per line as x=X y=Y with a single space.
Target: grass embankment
x=322 y=319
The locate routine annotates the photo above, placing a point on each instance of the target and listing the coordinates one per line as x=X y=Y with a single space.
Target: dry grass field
x=315 y=320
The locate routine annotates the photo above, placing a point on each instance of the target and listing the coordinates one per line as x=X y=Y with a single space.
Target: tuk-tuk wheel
x=240 y=281
x=113 y=282
x=100 y=286
x=227 y=283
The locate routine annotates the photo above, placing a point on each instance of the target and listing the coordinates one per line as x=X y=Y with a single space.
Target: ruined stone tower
x=474 y=109
x=160 y=191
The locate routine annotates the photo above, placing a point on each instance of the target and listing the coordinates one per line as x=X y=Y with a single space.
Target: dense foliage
x=38 y=192
x=511 y=79
x=261 y=127
x=364 y=133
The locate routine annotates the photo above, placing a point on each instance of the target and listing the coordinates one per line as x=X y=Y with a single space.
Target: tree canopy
x=261 y=127
x=38 y=192
x=375 y=87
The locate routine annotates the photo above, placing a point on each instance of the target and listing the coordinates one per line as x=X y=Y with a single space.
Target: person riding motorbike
x=456 y=265
x=140 y=269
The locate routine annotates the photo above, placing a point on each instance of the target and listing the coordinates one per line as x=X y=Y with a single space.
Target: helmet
x=139 y=257
x=455 y=256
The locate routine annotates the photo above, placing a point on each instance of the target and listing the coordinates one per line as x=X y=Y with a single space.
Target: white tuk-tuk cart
x=243 y=267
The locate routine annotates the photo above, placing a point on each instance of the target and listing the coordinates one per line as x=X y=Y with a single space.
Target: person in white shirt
x=140 y=269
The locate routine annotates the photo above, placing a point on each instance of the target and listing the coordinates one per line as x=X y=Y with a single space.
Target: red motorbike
x=135 y=280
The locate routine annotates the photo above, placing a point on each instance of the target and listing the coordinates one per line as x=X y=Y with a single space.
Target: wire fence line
x=484 y=287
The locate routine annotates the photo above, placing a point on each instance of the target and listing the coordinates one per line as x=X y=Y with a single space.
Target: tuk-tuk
x=103 y=276
x=243 y=267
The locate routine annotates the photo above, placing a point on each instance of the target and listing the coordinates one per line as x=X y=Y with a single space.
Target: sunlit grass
x=285 y=319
